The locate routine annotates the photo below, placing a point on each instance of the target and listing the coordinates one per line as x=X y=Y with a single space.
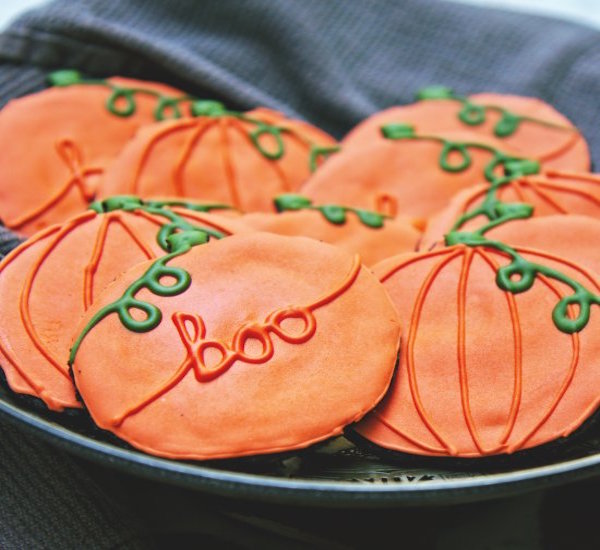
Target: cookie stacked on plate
x=208 y=283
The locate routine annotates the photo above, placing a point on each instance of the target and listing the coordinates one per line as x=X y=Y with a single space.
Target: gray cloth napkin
x=330 y=62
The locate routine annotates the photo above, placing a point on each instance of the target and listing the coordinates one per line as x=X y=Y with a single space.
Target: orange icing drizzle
x=92 y=267
x=542 y=187
x=561 y=149
x=224 y=123
x=386 y=204
x=196 y=344
x=73 y=158
x=60 y=232
x=448 y=254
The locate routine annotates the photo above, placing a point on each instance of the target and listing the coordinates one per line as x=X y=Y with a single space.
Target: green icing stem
x=398 y=131
x=332 y=213
x=122 y=103
x=474 y=114
x=176 y=237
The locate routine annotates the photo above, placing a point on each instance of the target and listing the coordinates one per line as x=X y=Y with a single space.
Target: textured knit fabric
x=331 y=62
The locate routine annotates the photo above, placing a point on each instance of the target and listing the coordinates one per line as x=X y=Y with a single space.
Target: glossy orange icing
x=372 y=244
x=210 y=381
x=550 y=193
x=570 y=237
x=55 y=145
x=214 y=158
x=401 y=176
x=482 y=371
x=50 y=280
x=197 y=344
x=557 y=148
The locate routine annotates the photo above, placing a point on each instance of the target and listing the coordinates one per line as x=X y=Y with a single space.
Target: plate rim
x=294 y=491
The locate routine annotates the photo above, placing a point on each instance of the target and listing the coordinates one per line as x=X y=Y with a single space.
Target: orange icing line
x=92 y=267
x=582 y=271
x=28 y=283
x=538 y=185
x=273 y=164
x=577 y=176
x=172 y=129
x=462 y=359
x=196 y=345
x=416 y=258
x=71 y=155
x=518 y=354
x=575 y=136
x=566 y=383
x=7 y=260
x=182 y=211
x=547 y=198
x=517 y=185
x=186 y=153
x=567 y=189
x=410 y=352
x=229 y=171
x=379 y=418
x=386 y=204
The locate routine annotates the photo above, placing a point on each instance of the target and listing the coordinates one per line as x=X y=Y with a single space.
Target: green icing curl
x=474 y=114
x=332 y=213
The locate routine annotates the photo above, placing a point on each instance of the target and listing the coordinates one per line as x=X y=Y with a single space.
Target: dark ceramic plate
x=336 y=473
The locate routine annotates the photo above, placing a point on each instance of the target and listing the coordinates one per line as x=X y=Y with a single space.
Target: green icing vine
x=122 y=103
x=520 y=274
x=331 y=212
x=460 y=149
x=474 y=114
x=317 y=153
x=176 y=237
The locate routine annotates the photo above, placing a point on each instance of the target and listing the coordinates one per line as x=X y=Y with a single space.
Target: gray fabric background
x=331 y=62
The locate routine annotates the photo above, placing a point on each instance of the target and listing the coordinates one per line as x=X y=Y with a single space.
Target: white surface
x=579 y=11
x=582 y=11
x=11 y=8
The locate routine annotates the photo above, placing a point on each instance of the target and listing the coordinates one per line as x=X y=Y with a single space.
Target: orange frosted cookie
x=276 y=343
x=369 y=234
x=526 y=125
x=48 y=282
x=549 y=193
x=244 y=159
x=503 y=347
x=56 y=143
x=410 y=173
x=485 y=370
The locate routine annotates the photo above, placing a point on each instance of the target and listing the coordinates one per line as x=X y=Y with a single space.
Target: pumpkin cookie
x=503 y=349
x=56 y=143
x=48 y=282
x=528 y=126
x=549 y=193
x=275 y=343
x=369 y=234
x=243 y=159
x=410 y=173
